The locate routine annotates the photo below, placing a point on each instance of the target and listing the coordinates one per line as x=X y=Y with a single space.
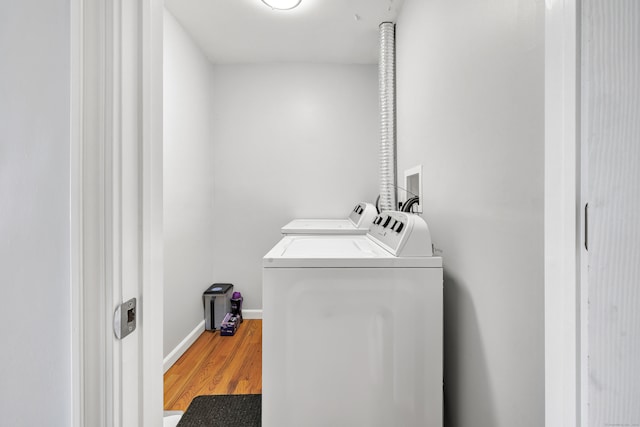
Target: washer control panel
x=402 y=233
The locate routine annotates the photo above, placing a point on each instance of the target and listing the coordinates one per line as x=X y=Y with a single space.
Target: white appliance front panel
x=352 y=347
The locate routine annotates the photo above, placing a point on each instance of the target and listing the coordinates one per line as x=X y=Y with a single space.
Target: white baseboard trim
x=252 y=314
x=175 y=354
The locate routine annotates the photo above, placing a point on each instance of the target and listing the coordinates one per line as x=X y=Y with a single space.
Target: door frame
x=565 y=194
x=99 y=69
x=91 y=324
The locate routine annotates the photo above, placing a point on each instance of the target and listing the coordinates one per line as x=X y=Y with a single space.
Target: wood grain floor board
x=217 y=365
x=187 y=366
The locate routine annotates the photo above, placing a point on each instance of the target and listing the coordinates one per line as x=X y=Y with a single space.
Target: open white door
x=116 y=184
x=592 y=337
x=611 y=134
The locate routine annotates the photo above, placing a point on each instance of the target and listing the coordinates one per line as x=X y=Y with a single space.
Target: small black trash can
x=217 y=303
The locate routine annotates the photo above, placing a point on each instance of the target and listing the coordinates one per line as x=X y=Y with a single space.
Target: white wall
x=290 y=140
x=611 y=135
x=188 y=183
x=35 y=320
x=470 y=79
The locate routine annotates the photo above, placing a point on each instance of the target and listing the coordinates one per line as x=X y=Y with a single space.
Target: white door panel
x=611 y=131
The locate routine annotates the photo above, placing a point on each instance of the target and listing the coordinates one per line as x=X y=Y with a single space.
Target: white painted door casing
x=116 y=149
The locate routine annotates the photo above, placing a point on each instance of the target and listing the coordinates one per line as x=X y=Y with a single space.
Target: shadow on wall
x=465 y=362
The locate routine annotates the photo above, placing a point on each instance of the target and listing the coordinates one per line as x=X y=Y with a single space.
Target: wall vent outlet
x=413 y=186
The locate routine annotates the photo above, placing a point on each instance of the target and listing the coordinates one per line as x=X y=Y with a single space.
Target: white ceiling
x=247 y=31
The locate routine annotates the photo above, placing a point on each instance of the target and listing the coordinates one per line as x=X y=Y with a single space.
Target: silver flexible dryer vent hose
x=387 y=87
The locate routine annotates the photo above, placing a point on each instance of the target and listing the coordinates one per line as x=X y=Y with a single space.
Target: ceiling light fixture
x=281 y=4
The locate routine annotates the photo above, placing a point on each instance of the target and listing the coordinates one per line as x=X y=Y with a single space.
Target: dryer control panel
x=362 y=215
x=402 y=234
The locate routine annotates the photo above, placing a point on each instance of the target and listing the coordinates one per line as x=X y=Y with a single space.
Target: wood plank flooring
x=216 y=365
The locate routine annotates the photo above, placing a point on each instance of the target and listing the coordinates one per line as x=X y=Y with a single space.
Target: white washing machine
x=352 y=328
x=358 y=222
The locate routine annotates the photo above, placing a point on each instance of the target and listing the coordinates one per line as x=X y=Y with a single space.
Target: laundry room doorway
x=117 y=204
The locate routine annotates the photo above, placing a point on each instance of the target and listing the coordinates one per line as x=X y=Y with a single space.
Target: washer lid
x=338 y=251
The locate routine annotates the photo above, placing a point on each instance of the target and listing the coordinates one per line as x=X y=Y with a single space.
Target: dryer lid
x=358 y=222
x=322 y=226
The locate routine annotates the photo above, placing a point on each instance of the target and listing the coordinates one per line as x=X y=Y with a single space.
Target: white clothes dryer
x=358 y=222
x=352 y=328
